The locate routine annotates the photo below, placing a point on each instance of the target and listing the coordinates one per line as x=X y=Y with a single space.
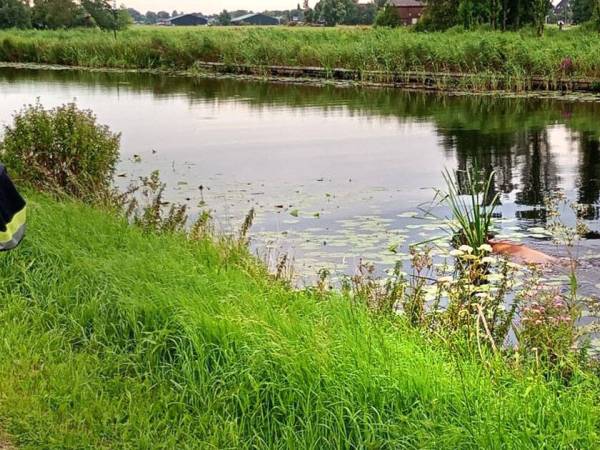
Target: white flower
x=457 y=252
x=482 y=295
x=486 y=248
x=489 y=260
x=466 y=248
x=495 y=277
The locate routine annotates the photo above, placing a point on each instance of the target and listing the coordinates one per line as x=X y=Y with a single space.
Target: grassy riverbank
x=486 y=57
x=112 y=338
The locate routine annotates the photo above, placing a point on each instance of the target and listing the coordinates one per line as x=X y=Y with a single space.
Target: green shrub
x=387 y=17
x=62 y=149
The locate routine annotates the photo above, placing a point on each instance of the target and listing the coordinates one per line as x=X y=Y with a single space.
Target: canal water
x=336 y=175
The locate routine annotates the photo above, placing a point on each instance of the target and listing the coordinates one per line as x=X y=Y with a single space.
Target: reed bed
x=484 y=56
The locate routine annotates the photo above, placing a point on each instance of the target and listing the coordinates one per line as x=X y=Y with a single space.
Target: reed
x=487 y=59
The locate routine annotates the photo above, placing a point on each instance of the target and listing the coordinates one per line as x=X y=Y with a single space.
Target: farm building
x=186 y=20
x=409 y=11
x=255 y=19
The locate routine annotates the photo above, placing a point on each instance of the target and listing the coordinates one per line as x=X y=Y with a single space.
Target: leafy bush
x=62 y=149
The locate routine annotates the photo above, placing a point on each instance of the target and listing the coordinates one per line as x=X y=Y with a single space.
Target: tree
x=497 y=14
x=440 y=15
x=137 y=16
x=596 y=16
x=57 y=14
x=174 y=13
x=224 y=18
x=333 y=12
x=105 y=15
x=162 y=15
x=151 y=17
x=14 y=14
x=540 y=10
x=387 y=17
x=582 y=10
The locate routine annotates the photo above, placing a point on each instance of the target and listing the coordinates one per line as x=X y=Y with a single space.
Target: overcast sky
x=210 y=6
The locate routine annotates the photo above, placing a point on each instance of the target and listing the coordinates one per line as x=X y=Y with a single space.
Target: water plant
x=472 y=202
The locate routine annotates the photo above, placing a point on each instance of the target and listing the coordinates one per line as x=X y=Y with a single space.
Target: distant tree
x=596 y=16
x=105 y=16
x=174 y=13
x=151 y=17
x=496 y=14
x=309 y=15
x=540 y=10
x=582 y=10
x=224 y=18
x=387 y=17
x=333 y=12
x=440 y=15
x=162 y=15
x=14 y=14
x=136 y=15
x=57 y=14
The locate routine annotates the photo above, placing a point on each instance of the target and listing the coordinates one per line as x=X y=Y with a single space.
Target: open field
x=481 y=59
x=111 y=338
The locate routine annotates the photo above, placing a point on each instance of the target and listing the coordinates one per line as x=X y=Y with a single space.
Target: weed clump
x=61 y=150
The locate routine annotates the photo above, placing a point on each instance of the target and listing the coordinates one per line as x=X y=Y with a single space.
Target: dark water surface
x=336 y=175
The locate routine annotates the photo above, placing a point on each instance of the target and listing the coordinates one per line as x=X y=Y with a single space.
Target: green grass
x=485 y=55
x=110 y=338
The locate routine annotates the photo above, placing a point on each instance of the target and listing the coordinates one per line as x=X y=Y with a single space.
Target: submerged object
x=12 y=213
x=521 y=253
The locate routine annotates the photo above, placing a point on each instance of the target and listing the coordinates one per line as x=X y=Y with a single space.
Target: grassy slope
x=109 y=338
x=479 y=52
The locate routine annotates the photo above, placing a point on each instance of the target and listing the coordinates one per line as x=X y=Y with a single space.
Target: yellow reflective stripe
x=11 y=228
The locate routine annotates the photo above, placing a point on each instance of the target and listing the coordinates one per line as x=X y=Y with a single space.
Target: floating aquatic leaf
x=294 y=213
x=408 y=214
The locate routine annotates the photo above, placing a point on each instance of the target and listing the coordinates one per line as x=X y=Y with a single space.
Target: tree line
x=54 y=14
x=503 y=14
x=439 y=14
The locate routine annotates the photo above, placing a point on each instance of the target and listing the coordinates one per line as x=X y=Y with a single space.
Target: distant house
x=562 y=12
x=186 y=20
x=255 y=19
x=409 y=11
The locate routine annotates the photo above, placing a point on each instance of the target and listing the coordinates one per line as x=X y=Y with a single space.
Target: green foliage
x=115 y=338
x=14 y=14
x=497 y=14
x=440 y=15
x=333 y=12
x=487 y=57
x=62 y=149
x=596 y=16
x=583 y=10
x=224 y=18
x=471 y=202
x=104 y=16
x=55 y=14
x=387 y=17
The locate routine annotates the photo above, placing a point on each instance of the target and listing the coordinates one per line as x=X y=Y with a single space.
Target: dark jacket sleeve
x=12 y=213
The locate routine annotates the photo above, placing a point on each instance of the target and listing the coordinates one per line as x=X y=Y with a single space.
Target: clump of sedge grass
x=471 y=202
